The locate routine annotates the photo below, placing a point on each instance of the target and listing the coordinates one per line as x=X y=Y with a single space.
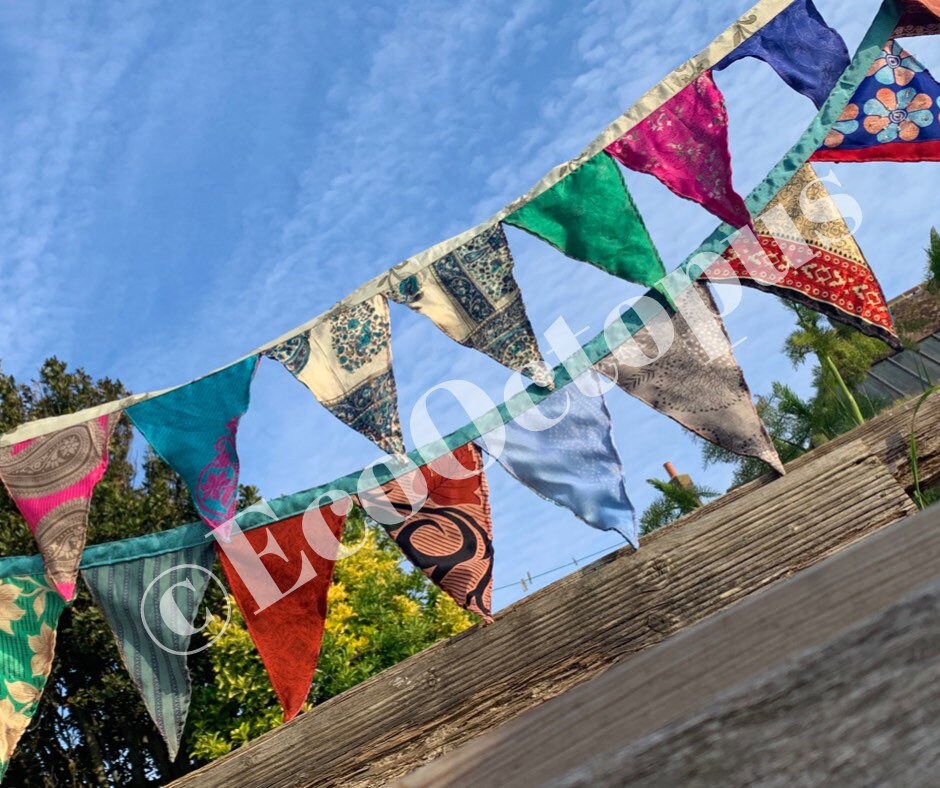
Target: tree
x=673 y=502
x=91 y=727
x=933 y=261
x=379 y=614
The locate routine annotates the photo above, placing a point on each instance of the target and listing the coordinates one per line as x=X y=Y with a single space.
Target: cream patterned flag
x=472 y=296
x=346 y=362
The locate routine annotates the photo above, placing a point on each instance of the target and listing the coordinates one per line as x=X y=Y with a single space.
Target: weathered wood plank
x=862 y=712
x=576 y=628
x=830 y=678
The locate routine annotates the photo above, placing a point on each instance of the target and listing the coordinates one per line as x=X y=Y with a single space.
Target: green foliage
x=672 y=502
x=933 y=261
x=379 y=614
x=91 y=727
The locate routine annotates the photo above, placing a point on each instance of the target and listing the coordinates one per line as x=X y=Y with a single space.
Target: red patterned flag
x=919 y=18
x=805 y=252
x=286 y=619
x=450 y=537
x=685 y=144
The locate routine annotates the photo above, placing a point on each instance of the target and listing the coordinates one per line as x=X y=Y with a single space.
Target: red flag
x=449 y=535
x=282 y=595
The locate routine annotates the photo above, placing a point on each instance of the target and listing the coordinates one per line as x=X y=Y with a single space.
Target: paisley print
x=293 y=354
x=51 y=479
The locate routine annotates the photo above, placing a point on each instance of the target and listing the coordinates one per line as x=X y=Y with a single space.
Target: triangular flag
x=472 y=296
x=286 y=617
x=29 y=615
x=193 y=429
x=695 y=380
x=893 y=116
x=805 y=52
x=685 y=145
x=450 y=537
x=919 y=18
x=51 y=478
x=589 y=215
x=151 y=605
x=564 y=451
x=805 y=252
x=346 y=362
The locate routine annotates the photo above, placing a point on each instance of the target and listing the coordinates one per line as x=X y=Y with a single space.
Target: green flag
x=29 y=615
x=150 y=604
x=591 y=216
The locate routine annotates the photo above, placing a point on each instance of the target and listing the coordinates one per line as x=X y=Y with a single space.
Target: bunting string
x=591 y=352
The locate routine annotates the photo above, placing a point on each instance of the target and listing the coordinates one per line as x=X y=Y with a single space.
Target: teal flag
x=150 y=605
x=29 y=615
x=193 y=429
x=591 y=216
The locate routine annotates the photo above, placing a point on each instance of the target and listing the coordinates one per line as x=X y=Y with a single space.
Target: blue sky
x=178 y=188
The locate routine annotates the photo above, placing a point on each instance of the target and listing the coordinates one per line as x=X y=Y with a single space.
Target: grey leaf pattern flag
x=150 y=604
x=697 y=381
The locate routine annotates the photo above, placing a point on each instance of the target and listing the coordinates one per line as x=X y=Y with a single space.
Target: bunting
x=590 y=216
x=151 y=605
x=193 y=429
x=565 y=452
x=805 y=52
x=450 y=538
x=919 y=18
x=696 y=380
x=893 y=116
x=286 y=628
x=685 y=145
x=809 y=257
x=51 y=479
x=472 y=296
x=29 y=615
x=346 y=362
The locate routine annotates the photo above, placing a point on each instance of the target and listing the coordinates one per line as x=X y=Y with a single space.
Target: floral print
x=898 y=115
x=895 y=66
x=360 y=333
x=29 y=613
x=845 y=125
x=894 y=106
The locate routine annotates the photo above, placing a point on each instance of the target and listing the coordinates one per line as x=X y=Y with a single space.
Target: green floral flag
x=590 y=216
x=29 y=614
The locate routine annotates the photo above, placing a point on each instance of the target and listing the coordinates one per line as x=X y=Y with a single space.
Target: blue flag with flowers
x=893 y=116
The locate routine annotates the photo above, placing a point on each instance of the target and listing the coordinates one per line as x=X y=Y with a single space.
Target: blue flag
x=573 y=462
x=193 y=429
x=798 y=44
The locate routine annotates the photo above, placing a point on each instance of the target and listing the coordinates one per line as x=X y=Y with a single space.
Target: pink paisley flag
x=51 y=479
x=685 y=145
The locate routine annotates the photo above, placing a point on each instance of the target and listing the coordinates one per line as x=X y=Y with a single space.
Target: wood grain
x=580 y=626
x=589 y=735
